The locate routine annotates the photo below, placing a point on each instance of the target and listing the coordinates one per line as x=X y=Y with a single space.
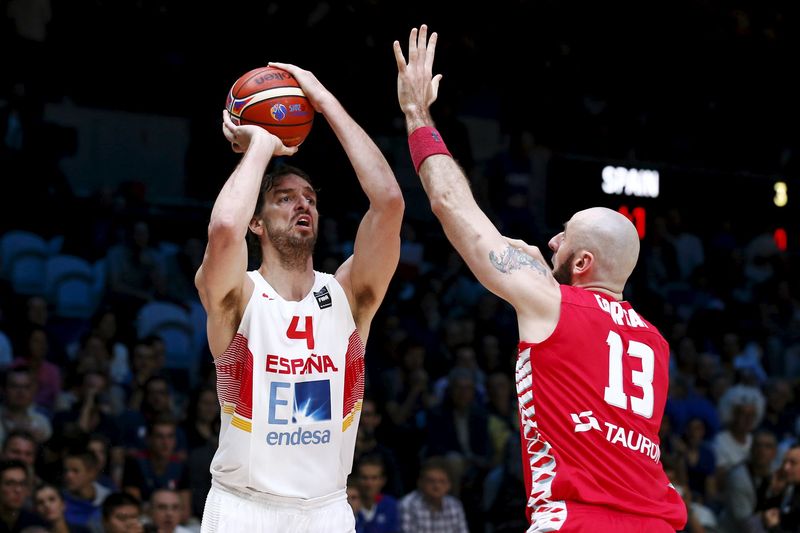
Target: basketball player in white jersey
x=288 y=342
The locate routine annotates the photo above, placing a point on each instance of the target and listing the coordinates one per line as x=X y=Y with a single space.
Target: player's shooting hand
x=240 y=137
x=316 y=93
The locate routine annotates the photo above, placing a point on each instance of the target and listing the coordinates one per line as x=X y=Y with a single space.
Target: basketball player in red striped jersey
x=592 y=374
x=288 y=341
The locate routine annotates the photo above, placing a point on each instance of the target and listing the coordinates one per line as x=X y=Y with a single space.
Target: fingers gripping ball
x=271 y=98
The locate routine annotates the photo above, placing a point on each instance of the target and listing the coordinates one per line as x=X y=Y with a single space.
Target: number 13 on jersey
x=614 y=394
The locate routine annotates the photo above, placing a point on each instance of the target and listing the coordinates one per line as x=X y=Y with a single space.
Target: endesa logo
x=298 y=404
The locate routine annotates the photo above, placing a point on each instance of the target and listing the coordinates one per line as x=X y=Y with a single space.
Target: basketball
x=271 y=98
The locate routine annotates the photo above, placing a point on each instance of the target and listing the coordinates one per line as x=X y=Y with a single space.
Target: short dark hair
x=268 y=181
x=116 y=500
x=10 y=464
x=46 y=485
x=20 y=434
x=373 y=459
x=435 y=463
x=87 y=457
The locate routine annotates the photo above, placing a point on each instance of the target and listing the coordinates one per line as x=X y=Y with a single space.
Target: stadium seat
x=70 y=286
x=172 y=323
x=23 y=255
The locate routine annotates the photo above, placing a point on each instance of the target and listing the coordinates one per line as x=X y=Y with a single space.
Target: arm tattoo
x=513 y=259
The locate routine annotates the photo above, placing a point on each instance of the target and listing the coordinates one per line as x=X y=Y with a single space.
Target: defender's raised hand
x=417 y=87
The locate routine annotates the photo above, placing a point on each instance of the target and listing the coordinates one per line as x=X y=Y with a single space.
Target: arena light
x=780 y=238
x=781 y=197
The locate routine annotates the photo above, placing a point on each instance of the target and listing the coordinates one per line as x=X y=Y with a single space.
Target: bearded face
x=294 y=247
x=563 y=273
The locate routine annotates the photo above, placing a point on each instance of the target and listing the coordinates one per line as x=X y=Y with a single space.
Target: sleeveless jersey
x=591 y=398
x=290 y=385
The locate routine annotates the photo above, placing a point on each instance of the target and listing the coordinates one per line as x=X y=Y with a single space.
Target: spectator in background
x=504 y=493
x=700 y=466
x=105 y=326
x=88 y=414
x=701 y=518
x=46 y=374
x=83 y=495
x=50 y=505
x=166 y=512
x=147 y=362
x=180 y=270
x=157 y=402
x=785 y=517
x=193 y=487
x=122 y=514
x=158 y=466
x=38 y=316
x=459 y=430
x=517 y=182
x=20 y=445
x=429 y=508
x=780 y=412
x=15 y=488
x=466 y=358
x=354 y=498
x=741 y=409
x=503 y=416
x=92 y=356
x=100 y=445
x=379 y=512
x=201 y=425
x=367 y=443
x=135 y=273
x=18 y=410
x=407 y=395
x=690 y=253
x=750 y=486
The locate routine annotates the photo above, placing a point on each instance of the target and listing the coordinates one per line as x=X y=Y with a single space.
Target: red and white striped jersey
x=591 y=399
x=290 y=385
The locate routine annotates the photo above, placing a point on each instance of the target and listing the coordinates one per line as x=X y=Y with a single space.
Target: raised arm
x=365 y=275
x=222 y=275
x=514 y=271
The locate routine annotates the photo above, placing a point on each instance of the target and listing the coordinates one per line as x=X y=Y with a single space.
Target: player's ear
x=583 y=262
x=256 y=226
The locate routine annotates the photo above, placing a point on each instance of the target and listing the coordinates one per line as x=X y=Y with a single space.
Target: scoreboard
x=704 y=198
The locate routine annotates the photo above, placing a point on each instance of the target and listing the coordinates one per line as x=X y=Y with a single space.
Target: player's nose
x=555 y=242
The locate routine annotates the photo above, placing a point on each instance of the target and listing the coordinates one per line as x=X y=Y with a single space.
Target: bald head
x=611 y=238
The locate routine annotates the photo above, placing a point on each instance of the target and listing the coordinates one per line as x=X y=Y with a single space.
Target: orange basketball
x=271 y=98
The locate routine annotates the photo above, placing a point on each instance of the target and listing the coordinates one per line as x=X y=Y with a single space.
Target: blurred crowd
x=104 y=424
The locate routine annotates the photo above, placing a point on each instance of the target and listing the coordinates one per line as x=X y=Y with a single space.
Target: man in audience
x=122 y=514
x=166 y=511
x=18 y=410
x=15 y=488
x=749 y=486
x=83 y=495
x=378 y=512
x=157 y=467
x=430 y=509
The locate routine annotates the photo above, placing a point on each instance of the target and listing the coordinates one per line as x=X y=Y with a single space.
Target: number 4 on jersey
x=307 y=333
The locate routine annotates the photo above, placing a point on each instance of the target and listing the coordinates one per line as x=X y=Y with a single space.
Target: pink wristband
x=425 y=142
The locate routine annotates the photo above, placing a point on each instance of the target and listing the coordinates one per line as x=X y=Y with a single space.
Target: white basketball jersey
x=290 y=385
